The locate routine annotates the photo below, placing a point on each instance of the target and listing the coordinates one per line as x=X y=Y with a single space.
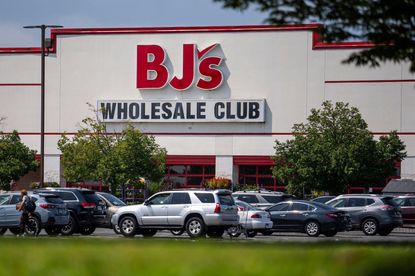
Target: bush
x=218 y=183
x=36 y=185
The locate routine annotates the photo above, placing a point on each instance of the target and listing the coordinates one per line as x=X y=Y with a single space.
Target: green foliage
x=16 y=159
x=218 y=183
x=335 y=149
x=388 y=24
x=94 y=154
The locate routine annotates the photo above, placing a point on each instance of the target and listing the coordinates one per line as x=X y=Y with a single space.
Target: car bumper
x=220 y=220
x=392 y=222
x=257 y=225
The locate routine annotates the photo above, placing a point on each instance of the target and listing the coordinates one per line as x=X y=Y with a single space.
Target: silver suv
x=197 y=212
x=261 y=199
x=372 y=214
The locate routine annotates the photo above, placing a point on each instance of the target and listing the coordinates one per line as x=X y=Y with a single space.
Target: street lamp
x=42 y=97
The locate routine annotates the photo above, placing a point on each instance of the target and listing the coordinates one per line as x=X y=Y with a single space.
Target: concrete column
x=224 y=167
x=52 y=168
x=408 y=167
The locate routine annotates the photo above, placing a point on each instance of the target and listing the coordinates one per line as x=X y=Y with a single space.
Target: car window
x=399 y=201
x=91 y=197
x=273 y=199
x=356 y=202
x=113 y=199
x=338 y=203
x=243 y=206
x=299 y=207
x=67 y=195
x=54 y=199
x=248 y=198
x=205 y=197
x=369 y=201
x=4 y=199
x=180 y=198
x=226 y=199
x=280 y=207
x=15 y=199
x=159 y=199
x=410 y=202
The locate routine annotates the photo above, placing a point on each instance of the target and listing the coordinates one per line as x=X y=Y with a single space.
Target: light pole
x=42 y=97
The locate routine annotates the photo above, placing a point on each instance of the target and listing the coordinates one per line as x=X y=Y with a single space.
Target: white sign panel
x=246 y=111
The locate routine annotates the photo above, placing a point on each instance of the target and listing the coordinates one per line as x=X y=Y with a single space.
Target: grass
x=80 y=256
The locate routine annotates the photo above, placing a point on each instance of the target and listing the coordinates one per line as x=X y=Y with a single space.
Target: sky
x=14 y=14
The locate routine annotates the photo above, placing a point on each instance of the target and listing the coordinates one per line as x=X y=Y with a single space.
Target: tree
x=390 y=25
x=16 y=159
x=335 y=149
x=116 y=159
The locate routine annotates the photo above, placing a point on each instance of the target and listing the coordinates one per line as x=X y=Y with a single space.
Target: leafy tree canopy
x=16 y=159
x=335 y=149
x=95 y=154
x=390 y=25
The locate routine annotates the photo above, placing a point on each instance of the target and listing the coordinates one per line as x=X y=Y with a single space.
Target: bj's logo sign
x=152 y=72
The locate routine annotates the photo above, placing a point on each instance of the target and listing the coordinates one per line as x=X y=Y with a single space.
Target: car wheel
x=178 y=232
x=195 y=227
x=331 y=233
x=148 y=233
x=33 y=226
x=251 y=233
x=385 y=231
x=312 y=228
x=218 y=233
x=53 y=230
x=370 y=227
x=128 y=226
x=15 y=231
x=70 y=228
x=266 y=233
x=2 y=231
x=234 y=231
x=116 y=229
x=86 y=231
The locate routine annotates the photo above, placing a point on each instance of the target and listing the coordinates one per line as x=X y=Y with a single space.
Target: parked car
x=112 y=204
x=312 y=218
x=261 y=199
x=373 y=214
x=198 y=212
x=251 y=221
x=322 y=199
x=407 y=205
x=50 y=214
x=86 y=209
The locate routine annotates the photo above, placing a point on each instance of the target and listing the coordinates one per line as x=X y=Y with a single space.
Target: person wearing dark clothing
x=24 y=219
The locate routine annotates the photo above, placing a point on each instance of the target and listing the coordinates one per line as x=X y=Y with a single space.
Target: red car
x=407 y=205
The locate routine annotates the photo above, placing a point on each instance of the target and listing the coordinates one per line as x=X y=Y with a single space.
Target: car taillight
x=332 y=215
x=88 y=204
x=387 y=208
x=256 y=216
x=217 y=208
x=44 y=206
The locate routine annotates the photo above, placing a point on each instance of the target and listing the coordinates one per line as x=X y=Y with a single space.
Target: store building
x=216 y=98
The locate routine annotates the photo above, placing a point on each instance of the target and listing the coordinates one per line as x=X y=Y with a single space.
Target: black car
x=86 y=209
x=308 y=217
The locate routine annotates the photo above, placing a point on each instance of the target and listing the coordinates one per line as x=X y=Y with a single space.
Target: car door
x=177 y=208
x=11 y=215
x=356 y=209
x=278 y=214
x=408 y=211
x=296 y=216
x=4 y=201
x=155 y=210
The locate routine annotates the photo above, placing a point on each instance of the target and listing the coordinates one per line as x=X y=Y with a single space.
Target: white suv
x=197 y=212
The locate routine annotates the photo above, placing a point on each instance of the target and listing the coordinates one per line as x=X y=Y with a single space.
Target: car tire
x=86 y=231
x=33 y=226
x=312 y=228
x=195 y=227
x=266 y=233
x=15 y=230
x=370 y=227
x=385 y=231
x=128 y=226
x=177 y=232
x=217 y=234
x=2 y=231
x=71 y=227
x=116 y=229
x=53 y=230
x=234 y=231
x=251 y=233
x=331 y=233
x=148 y=233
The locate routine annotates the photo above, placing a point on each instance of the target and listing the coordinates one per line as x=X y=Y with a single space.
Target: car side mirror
x=146 y=203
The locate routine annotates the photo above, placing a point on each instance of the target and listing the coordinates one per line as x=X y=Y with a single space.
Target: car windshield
x=245 y=206
x=399 y=201
x=389 y=201
x=113 y=199
x=4 y=199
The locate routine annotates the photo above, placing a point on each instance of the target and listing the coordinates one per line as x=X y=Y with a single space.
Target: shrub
x=218 y=183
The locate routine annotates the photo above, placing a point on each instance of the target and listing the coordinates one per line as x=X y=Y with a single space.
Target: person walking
x=24 y=219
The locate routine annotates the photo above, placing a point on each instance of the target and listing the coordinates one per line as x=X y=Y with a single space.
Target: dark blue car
x=308 y=217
